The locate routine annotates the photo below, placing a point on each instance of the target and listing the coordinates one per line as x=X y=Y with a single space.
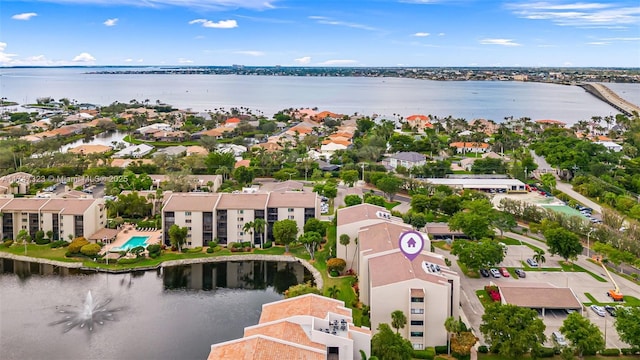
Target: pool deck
x=128 y=231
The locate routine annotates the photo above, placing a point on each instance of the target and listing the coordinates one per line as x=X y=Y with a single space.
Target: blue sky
x=320 y=32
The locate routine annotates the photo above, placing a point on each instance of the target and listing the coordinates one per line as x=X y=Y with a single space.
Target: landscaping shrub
x=610 y=352
x=7 y=243
x=128 y=261
x=90 y=250
x=210 y=250
x=428 y=353
x=546 y=352
x=59 y=243
x=336 y=264
x=154 y=250
x=268 y=244
x=77 y=244
x=334 y=273
x=630 y=351
x=195 y=250
x=442 y=349
x=483 y=349
x=212 y=244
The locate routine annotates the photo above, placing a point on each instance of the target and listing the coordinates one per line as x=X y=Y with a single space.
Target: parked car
x=495 y=273
x=532 y=262
x=598 y=310
x=521 y=273
x=558 y=338
x=484 y=273
x=504 y=272
x=611 y=310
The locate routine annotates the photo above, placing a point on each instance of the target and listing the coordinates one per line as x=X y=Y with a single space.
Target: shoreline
x=247 y=257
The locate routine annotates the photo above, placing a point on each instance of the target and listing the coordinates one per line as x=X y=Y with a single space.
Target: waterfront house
x=134 y=151
x=310 y=327
x=178 y=150
x=419 y=122
x=197 y=150
x=86 y=149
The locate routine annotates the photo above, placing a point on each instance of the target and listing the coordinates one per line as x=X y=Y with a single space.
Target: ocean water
x=346 y=95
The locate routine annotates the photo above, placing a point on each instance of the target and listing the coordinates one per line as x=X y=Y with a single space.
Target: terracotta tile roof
x=24 y=204
x=395 y=267
x=327 y=114
x=196 y=149
x=90 y=149
x=283 y=330
x=418 y=118
x=241 y=163
x=233 y=120
x=242 y=201
x=339 y=142
x=262 y=348
x=216 y=131
x=269 y=146
x=191 y=202
x=68 y=206
x=293 y=199
x=469 y=145
x=309 y=304
x=360 y=212
x=551 y=122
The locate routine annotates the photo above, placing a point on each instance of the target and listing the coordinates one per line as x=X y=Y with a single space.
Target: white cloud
x=250 y=52
x=5 y=58
x=598 y=43
x=217 y=5
x=110 y=22
x=440 y=34
x=24 y=16
x=329 y=21
x=502 y=42
x=303 y=60
x=222 y=24
x=339 y=62
x=185 y=61
x=84 y=57
x=580 y=14
x=421 y=34
x=623 y=39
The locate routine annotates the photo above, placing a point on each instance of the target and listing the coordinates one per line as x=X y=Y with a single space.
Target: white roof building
x=610 y=145
x=479 y=184
x=135 y=151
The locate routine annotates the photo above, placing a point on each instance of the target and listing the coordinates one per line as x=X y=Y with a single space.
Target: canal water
x=108 y=138
x=169 y=313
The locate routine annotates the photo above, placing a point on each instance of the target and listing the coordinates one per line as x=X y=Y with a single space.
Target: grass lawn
x=441 y=245
x=628 y=301
x=571 y=267
x=391 y=205
x=469 y=273
x=484 y=298
x=39 y=251
x=512 y=241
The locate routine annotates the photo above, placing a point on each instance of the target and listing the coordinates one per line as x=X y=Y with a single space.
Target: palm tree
x=539 y=256
x=259 y=228
x=248 y=227
x=333 y=292
x=345 y=240
x=452 y=326
x=398 y=320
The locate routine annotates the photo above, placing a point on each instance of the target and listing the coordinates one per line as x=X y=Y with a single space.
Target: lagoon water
x=176 y=313
x=386 y=96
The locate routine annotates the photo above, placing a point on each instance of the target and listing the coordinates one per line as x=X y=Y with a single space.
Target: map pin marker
x=411 y=244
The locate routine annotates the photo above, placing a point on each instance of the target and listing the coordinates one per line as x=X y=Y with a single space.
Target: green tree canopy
x=177 y=236
x=628 y=325
x=385 y=344
x=475 y=225
x=316 y=225
x=310 y=240
x=389 y=185
x=351 y=200
x=244 y=175
x=285 y=232
x=512 y=330
x=349 y=176
x=398 y=320
x=563 y=242
x=582 y=333
x=478 y=254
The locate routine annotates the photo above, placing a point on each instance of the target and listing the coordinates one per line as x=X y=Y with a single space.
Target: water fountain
x=91 y=313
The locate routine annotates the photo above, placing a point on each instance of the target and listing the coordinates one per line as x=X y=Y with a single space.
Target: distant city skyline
x=384 y=33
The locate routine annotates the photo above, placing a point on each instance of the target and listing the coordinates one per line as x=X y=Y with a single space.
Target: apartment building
x=223 y=216
x=310 y=326
x=425 y=289
x=65 y=217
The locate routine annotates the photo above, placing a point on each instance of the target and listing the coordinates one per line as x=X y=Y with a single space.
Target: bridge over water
x=610 y=97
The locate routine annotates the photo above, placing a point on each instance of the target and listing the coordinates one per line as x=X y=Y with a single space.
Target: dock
x=610 y=97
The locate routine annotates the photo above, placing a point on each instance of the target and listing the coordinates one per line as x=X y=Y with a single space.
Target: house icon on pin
x=411 y=243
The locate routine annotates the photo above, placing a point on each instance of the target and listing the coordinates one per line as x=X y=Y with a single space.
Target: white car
x=559 y=338
x=532 y=262
x=495 y=273
x=598 y=310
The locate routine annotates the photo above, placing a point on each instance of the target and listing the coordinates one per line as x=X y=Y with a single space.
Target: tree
x=476 y=255
x=628 y=325
x=539 y=256
x=374 y=200
x=316 y=225
x=244 y=175
x=310 y=240
x=330 y=190
x=512 y=330
x=398 y=320
x=349 y=176
x=389 y=185
x=453 y=327
x=462 y=343
x=333 y=291
x=23 y=236
x=301 y=289
x=177 y=236
x=285 y=232
x=474 y=225
x=563 y=242
x=248 y=228
x=583 y=335
x=345 y=240
x=50 y=235
x=351 y=200
x=389 y=346
x=259 y=228
x=503 y=221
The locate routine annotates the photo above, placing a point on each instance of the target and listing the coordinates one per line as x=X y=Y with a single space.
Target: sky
x=409 y=33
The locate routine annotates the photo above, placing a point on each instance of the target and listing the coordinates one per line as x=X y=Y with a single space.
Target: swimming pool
x=133 y=242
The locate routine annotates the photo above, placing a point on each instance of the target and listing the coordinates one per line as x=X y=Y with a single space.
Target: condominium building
x=223 y=216
x=310 y=326
x=424 y=288
x=66 y=218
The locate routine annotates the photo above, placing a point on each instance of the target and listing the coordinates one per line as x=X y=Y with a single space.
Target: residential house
x=197 y=150
x=269 y=146
x=212 y=182
x=310 y=327
x=484 y=125
x=86 y=149
x=236 y=150
x=470 y=147
x=551 y=123
x=232 y=122
x=172 y=151
x=610 y=145
x=327 y=150
x=67 y=218
x=170 y=136
x=242 y=163
x=217 y=133
x=123 y=163
x=405 y=159
x=134 y=151
x=419 y=122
